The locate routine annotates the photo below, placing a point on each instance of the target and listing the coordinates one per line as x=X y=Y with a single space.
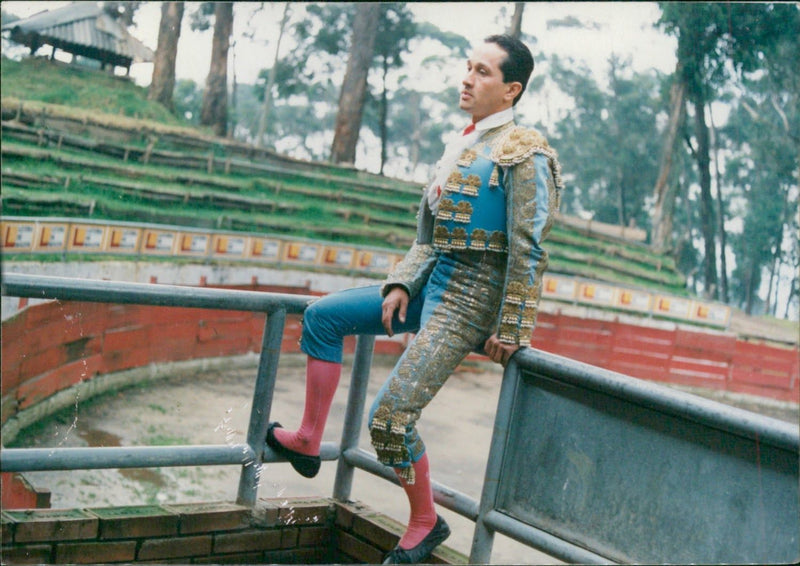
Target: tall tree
x=762 y=134
x=610 y=138
x=267 y=103
x=214 y=112
x=162 y=84
x=665 y=190
x=396 y=28
x=715 y=42
x=354 y=86
x=516 y=20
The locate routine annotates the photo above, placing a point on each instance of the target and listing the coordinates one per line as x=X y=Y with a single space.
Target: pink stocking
x=420 y=498
x=322 y=379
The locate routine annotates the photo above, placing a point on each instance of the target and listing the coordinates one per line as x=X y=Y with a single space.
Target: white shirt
x=456 y=147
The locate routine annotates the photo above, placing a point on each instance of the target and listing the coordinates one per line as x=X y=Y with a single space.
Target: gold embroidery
x=454 y=182
x=408 y=268
x=463 y=212
x=470 y=190
x=446 y=208
x=494 y=179
x=478 y=239
x=468 y=157
x=441 y=236
x=517 y=145
x=458 y=239
x=498 y=242
x=516 y=293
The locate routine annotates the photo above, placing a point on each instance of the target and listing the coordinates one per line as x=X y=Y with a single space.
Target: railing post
x=354 y=415
x=262 y=405
x=483 y=537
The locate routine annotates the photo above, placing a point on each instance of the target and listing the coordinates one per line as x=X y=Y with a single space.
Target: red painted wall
x=680 y=356
x=52 y=346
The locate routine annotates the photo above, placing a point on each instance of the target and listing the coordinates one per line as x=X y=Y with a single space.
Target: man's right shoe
x=306 y=466
x=424 y=549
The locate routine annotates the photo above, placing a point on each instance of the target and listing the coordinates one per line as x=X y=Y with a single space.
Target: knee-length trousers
x=454 y=314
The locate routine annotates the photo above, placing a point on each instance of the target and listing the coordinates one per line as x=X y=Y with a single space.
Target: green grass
x=74 y=86
x=319 y=201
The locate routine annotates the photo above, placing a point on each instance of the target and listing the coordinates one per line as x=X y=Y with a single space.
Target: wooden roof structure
x=84 y=29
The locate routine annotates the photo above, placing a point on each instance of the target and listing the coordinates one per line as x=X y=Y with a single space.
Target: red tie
x=468 y=130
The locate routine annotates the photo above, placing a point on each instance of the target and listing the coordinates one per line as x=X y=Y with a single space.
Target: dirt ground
x=213 y=407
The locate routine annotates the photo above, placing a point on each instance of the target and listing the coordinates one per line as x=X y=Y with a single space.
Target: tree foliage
x=609 y=139
x=717 y=44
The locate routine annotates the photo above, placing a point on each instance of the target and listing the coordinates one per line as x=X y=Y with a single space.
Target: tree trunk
x=214 y=111
x=706 y=201
x=794 y=290
x=516 y=20
x=664 y=192
x=723 y=262
x=354 y=86
x=749 y=291
x=162 y=85
x=384 y=114
x=267 y=106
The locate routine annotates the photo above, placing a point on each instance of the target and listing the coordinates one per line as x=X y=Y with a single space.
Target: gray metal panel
x=617 y=468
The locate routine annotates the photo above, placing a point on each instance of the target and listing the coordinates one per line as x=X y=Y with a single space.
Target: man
x=472 y=280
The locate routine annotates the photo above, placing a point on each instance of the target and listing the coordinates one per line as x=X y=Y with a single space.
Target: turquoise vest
x=472 y=209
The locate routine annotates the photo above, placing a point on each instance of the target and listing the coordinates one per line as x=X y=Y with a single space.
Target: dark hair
x=518 y=64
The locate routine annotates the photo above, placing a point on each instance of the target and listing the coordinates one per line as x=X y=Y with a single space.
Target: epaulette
x=517 y=145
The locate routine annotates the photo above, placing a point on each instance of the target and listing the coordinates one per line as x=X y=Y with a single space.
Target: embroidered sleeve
x=412 y=271
x=533 y=192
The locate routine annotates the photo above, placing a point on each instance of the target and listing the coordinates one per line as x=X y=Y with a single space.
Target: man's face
x=484 y=91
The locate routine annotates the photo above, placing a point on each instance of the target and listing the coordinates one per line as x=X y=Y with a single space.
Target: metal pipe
x=448 y=498
x=354 y=414
x=483 y=537
x=98 y=291
x=49 y=459
x=542 y=540
x=261 y=404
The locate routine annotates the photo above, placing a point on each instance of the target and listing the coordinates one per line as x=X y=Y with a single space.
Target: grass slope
x=82 y=143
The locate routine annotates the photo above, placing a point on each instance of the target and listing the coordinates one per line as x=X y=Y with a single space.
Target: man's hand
x=395 y=300
x=499 y=352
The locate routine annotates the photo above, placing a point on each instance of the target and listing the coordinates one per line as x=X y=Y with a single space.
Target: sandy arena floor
x=213 y=407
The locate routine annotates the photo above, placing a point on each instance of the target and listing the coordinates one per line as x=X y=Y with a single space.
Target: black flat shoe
x=424 y=549
x=306 y=466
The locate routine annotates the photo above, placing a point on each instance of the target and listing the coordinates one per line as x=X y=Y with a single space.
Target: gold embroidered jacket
x=502 y=197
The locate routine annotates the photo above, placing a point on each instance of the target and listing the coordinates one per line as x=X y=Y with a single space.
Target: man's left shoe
x=306 y=466
x=424 y=549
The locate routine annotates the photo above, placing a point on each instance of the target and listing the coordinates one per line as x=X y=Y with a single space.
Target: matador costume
x=475 y=270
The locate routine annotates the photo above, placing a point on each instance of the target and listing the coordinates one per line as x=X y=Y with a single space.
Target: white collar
x=495 y=120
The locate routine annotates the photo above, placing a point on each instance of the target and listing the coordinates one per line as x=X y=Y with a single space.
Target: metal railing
x=607 y=448
x=254 y=452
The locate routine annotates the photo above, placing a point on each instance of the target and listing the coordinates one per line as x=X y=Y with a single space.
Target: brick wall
x=293 y=531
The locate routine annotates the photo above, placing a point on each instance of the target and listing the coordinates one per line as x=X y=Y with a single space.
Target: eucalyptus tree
x=214 y=110
x=354 y=84
x=609 y=139
x=306 y=86
x=763 y=134
x=162 y=84
x=716 y=43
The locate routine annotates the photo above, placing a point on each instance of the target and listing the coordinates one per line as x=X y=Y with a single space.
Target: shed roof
x=82 y=28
